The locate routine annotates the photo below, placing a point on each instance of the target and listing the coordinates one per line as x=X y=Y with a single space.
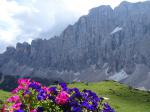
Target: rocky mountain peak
x=105 y=44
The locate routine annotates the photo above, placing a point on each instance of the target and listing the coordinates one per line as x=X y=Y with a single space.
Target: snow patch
x=119 y=76
x=116 y=30
x=77 y=73
x=141 y=88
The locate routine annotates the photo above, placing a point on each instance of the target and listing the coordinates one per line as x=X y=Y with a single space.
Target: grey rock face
x=99 y=46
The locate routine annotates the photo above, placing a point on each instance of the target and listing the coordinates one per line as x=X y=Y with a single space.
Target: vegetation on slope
x=3 y=96
x=122 y=97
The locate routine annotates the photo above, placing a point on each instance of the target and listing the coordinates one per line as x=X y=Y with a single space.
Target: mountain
x=105 y=44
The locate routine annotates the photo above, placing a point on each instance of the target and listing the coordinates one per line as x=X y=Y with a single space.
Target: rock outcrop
x=105 y=44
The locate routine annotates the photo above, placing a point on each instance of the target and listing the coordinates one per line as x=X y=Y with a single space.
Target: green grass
x=122 y=97
x=3 y=96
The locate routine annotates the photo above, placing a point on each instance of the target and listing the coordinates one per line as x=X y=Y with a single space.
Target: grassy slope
x=122 y=98
x=3 y=96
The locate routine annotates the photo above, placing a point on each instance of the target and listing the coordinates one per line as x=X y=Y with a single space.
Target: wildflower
x=40 y=109
x=53 y=90
x=13 y=99
x=105 y=98
x=41 y=95
x=107 y=108
x=15 y=91
x=4 y=108
x=63 y=86
x=62 y=98
x=65 y=99
x=45 y=89
x=16 y=106
x=34 y=110
x=20 y=110
x=35 y=85
x=23 y=84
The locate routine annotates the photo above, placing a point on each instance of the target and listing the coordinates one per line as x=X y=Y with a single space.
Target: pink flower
x=4 y=108
x=24 y=81
x=15 y=91
x=13 y=99
x=16 y=106
x=23 y=84
x=45 y=89
x=37 y=83
x=62 y=98
x=33 y=110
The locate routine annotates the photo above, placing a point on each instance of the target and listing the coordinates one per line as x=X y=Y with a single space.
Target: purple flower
x=41 y=95
x=35 y=86
x=107 y=108
x=63 y=86
x=40 y=109
x=20 y=110
x=67 y=99
x=53 y=90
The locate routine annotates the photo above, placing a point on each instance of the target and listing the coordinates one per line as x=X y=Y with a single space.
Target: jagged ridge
x=104 y=44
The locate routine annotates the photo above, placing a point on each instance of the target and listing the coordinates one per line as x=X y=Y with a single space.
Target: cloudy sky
x=24 y=20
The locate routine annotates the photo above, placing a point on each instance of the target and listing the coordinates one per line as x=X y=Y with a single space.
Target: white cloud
x=9 y=27
x=23 y=20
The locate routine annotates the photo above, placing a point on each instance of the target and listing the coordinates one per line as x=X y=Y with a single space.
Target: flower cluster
x=31 y=96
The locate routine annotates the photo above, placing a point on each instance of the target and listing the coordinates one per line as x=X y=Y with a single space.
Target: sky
x=25 y=20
